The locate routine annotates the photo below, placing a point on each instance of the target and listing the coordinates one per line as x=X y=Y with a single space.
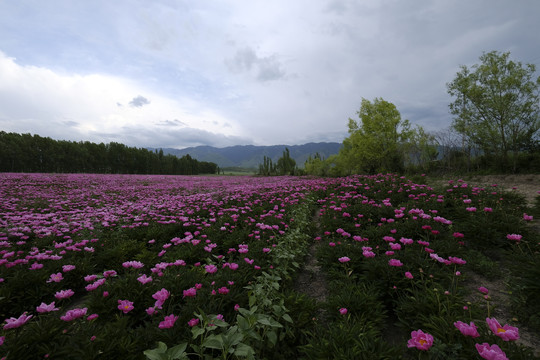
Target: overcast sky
x=222 y=72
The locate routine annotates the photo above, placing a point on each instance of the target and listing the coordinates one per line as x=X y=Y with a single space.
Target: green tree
x=376 y=143
x=267 y=168
x=496 y=106
x=286 y=165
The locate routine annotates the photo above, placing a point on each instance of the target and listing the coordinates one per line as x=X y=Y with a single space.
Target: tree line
x=495 y=128
x=33 y=153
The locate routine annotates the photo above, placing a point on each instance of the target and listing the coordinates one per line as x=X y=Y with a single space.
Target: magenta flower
x=160 y=297
x=55 y=278
x=125 y=306
x=92 y=317
x=368 y=253
x=527 y=217
x=408 y=275
x=210 y=269
x=13 y=323
x=66 y=268
x=223 y=290
x=343 y=311
x=168 y=322
x=420 y=340
x=395 y=262
x=490 y=352
x=191 y=292
x=2 y=339
x=505 y=332
x=64 y=294
x=515 y=237
x=133 y=264
x=74 y=314
x=151 y=310
x=109 y=273
x=344 y=259
x=467 y=330
x=483 y=290
x=193 y=322
x=143 y=279
x=44 y=308
x=89 y=278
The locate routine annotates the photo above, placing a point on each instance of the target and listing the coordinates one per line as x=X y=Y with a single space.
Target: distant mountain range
x=250 y=156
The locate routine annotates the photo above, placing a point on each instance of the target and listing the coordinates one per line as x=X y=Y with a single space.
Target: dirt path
x=311 y=280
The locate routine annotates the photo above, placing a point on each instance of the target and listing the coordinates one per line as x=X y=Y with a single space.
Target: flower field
x=173 y=267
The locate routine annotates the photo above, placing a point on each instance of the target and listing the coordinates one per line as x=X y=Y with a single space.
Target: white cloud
x=40 y=101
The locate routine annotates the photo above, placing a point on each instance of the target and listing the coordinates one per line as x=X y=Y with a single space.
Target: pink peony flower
x=133 y=264
x=420 y=340
x=193 y=322
x=109 y=273
x=160 y=297
x=527 y=217
x=125 y=306
x=395 y=262
x=408 y=275
x=74 y=314
x=344 y=259
x=151 y=310
x=483 y=290
x=13 y=323
x=467 y=330
x=143 y=279
x=490 y=352
x=55 y=278
x=191 y=292
x=343 y=311
x=505 y=332
x=515 y=237
x=66 y=268
x=168 y=322
x=92 y=317
x=368 y=253
x=89 y=278
x=210 y=268
x=223 y=290
x=64 y=294
x=44 y=308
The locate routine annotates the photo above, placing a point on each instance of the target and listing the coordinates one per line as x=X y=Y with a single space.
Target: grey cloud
x=267 y=68
x=173 y=137
x=139 y=101
x=174 y=122
x=71 y=123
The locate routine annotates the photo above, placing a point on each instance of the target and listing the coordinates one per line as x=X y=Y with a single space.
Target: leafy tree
x=267 y=168
x=285 y=164
x=496 y=105
x=377 y=142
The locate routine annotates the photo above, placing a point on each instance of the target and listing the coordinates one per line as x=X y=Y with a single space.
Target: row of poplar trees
x=33 y=153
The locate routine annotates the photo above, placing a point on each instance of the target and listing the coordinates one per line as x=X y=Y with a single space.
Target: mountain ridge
x=250 y=156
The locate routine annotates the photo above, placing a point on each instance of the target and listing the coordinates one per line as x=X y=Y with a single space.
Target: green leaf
x=196 y=331
x=178 y=351
x=244 y=350
x=287 y=318
x=272 y=337
x=213 y=342
x=157 y=353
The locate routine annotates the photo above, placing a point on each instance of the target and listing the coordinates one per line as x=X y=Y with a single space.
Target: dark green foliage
x=27 y=153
